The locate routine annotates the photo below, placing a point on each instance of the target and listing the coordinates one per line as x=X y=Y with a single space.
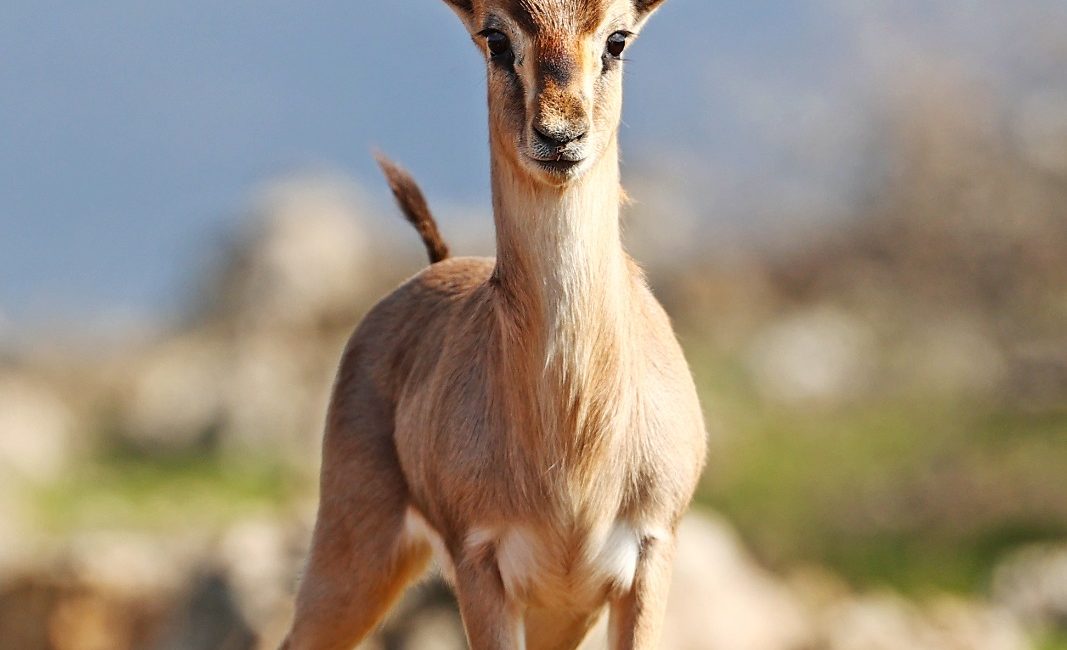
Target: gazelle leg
x=636 y=621
x=339 y=604
x=360 y=559
x=493 y=621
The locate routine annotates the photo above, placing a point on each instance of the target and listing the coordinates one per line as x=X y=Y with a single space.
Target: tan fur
x=532 y=417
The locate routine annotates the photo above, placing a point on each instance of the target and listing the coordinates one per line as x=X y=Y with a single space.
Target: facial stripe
x=556 y=62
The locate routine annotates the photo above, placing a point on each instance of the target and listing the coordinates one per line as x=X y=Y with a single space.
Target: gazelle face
x=555 y=77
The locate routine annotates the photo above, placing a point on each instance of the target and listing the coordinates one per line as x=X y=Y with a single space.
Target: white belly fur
x=539 y=569
x=419 y=531
x=534 y=564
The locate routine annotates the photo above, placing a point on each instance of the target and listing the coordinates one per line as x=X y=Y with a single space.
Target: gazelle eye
x=617 y=43
x=498 y=43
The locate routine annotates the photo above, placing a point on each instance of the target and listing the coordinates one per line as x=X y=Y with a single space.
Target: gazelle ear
x=646 y=8
x=464 y=9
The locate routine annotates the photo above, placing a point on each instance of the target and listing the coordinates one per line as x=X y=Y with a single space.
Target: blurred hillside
x=855 y=213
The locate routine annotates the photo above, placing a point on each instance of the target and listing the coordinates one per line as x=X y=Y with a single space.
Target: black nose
x=557 y=139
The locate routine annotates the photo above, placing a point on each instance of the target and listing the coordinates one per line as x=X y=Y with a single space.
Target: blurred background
x=855 y=212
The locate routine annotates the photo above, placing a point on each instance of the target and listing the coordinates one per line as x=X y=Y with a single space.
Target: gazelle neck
x=559 y=254
x=564 y=287
x=564 y=284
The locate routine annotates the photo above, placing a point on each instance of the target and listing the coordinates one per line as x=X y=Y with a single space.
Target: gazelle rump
x=531 y=419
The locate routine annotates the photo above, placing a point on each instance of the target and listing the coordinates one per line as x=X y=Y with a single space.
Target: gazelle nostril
x=546 y=139
x=557 y=139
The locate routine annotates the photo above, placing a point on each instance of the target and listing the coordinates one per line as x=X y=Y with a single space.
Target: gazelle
x=531 y=421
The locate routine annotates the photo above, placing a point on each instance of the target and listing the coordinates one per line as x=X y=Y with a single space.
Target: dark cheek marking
x=513 y=96
x=513 y=80
x=518 y=96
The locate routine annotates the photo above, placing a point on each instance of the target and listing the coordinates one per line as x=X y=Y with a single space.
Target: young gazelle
x=529 y=420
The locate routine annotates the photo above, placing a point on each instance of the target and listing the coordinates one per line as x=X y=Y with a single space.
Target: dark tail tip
x=413 y=204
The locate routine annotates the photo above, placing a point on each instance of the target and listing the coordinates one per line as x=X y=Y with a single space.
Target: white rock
x=976 y=626
x=882 y=622
x=888 y=622
x=276 y=393
x=130 y=565
x=174 y=393
x=823 y=355
x=303 y=258
x=1032 y=583
x=722 y=600
x=36 y=430
x=259 y=562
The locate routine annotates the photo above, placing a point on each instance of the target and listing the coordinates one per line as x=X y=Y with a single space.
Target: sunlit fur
x=530 y=418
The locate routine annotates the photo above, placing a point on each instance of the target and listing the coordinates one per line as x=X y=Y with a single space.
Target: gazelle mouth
x=560 y=165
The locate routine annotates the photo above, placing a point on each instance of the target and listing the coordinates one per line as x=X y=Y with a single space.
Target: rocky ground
x=232 y=591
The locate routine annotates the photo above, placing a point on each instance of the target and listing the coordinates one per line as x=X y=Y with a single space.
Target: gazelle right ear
x=464 y=9
x=645 y=8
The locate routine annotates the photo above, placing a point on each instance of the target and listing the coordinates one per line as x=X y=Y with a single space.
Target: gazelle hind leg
x=360 y=559
x=636 y=620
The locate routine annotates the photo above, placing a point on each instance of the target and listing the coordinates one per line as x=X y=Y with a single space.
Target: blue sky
x=131 y=132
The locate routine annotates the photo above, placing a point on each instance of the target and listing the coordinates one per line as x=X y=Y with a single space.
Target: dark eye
x=498 y=43
x=617 y=43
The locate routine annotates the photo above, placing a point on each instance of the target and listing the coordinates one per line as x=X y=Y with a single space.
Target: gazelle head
x=555 y=78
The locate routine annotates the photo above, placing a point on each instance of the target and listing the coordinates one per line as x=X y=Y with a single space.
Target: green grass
x=1053 y=642
x=128 y=491
x=917 y=492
